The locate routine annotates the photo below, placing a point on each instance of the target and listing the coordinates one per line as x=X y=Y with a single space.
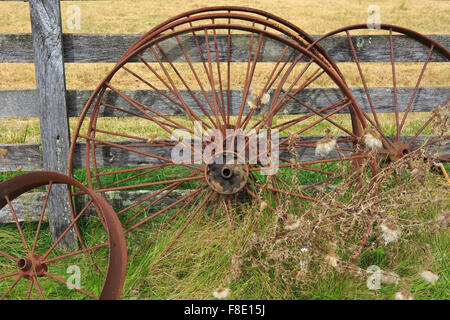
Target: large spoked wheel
x=224 y=81
x=406 y=104
x=255 y=16
x=31 y=264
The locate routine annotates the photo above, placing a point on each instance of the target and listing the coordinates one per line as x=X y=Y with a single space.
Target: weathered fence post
x=51 y=86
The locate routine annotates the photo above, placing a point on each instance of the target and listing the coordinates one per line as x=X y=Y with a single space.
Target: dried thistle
x=441 y=122
x=221 y=293
x=390 y=232
x=429 y=276
x=372 y=138
x=325 y=145
x=257 y=98
x=403 y=295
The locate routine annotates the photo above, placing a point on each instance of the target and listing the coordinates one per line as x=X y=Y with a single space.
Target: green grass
x=201 y=260
x=91 y=280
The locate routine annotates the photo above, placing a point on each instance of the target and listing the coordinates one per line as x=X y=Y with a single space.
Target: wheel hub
x=398 y=151
x=31 y=267
x=225 y=174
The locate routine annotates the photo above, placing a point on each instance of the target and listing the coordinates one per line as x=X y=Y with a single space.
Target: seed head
x=429 y=276
x=372 y=138
x=221 y=293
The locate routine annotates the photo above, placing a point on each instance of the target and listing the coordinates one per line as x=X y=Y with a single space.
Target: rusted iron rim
x=115 y=276
x=408 y=32
x=395 y=149
x=294 y=29
x=317 y=50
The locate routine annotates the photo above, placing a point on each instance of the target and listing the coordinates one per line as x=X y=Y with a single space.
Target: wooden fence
x=49 y=49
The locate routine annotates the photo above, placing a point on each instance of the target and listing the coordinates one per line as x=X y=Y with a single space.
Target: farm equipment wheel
x=251 y=14
x=413 y=86
x=31 y=264
x=213 y=73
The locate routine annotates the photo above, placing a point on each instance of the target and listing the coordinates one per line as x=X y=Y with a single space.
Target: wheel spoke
x=173 y=217
x=205 y=95
x=188 y=222
x=251 y=193
x=217 y=105
x=68 y=228
x=249 y=75
x=172 y=187
x=408 y=144
x=41 y=216
x=322 y=115
x=216 y=204
x=408 y=107
x=18 y=225
x=10 y=288
x=38 y=287
x=363 y=79
x=187 y=87
x=227 y=205
x=192 y=194
x=394 y=85
x=30 y=288
x=123 y=147
x=69 y=285
x=9 y=275
x=85 y=250
x=8 y=256
x=140 y=107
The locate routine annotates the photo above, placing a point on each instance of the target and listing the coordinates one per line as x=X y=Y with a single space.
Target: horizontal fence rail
x=22 y=103
x=28 y=156
x=110 y=47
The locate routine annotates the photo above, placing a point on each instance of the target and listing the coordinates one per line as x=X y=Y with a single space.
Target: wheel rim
x=214 y=12
x=284 y=84
x=32 y=265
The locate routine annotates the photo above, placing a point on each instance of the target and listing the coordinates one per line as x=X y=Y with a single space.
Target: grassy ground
x=259 y=259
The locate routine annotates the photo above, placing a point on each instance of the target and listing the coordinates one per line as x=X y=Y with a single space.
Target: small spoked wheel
x=32 y=263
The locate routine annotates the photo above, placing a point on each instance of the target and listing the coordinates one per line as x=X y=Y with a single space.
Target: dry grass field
x=137 y=17
x=428 y=17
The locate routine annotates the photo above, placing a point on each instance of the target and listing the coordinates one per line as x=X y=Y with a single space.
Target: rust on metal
x=36 y=265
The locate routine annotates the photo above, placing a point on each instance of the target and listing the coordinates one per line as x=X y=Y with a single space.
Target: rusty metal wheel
x=33 y=267
x=204 y=75
x=255 y=16
x=418 y=97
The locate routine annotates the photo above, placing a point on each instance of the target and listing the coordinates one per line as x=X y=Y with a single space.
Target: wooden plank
x=51 y=87
x=376 y=48
x=109 y=47
x=23 y=103
x=29 y=205
x=110 y=157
